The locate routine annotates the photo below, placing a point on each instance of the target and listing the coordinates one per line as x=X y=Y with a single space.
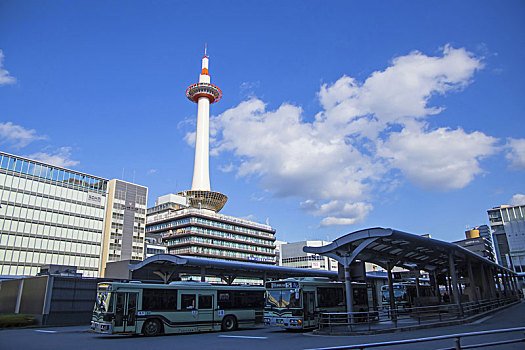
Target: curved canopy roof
x=167 y=264
x=384 y=246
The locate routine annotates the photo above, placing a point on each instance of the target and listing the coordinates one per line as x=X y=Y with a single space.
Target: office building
x=187 y=230
x=478 y=245
x=49 y=215
x=507 y=224
x=125 y=224
x=55 y=216
x=292 y=255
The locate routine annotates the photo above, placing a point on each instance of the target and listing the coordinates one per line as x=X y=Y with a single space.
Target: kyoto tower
x=203 y=93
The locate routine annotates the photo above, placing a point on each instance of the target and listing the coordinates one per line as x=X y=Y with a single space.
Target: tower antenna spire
x=205 y=49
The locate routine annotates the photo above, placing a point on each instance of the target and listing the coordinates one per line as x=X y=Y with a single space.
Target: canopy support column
x=393 y=310
x=472 y=280
x=349 y=294
x=455 y=283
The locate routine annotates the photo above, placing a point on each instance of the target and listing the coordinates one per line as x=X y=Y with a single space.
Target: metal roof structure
x=384 y=246
x=166 y=267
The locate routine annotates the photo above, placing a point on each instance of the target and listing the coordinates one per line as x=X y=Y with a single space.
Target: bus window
x=240 y=299
x=159 y=299
x=329 y=297
x=205 y=302
x=284 y=298
x=187 y=301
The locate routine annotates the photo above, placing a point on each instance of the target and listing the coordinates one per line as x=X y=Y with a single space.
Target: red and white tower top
x=204 y=88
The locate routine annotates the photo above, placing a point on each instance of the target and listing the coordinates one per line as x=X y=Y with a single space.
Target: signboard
x=94 y=198
x=283 y=284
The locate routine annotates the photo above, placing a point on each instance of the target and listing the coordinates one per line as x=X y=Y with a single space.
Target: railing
x=405 y=317
x=456 y=337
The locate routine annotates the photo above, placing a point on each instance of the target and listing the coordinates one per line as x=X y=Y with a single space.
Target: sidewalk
x=410 y=324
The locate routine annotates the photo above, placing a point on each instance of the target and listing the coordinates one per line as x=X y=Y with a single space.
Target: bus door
x=125 y=312
x=309 y=309
x=206 y=311
x=189 y=314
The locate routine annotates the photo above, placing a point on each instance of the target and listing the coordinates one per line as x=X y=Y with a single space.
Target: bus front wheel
x=152 y=328
x=229 y=323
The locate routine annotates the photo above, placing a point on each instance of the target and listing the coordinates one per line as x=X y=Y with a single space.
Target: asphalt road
x=78 y=338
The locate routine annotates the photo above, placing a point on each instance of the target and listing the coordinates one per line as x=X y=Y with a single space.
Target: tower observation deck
x=203 y=93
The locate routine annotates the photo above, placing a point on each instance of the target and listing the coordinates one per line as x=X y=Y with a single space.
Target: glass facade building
x=507 y=224
x=55 y=216
x=49 y=215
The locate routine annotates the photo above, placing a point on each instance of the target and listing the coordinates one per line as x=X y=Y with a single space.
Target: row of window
x=48 y=172
x=44 y=258
x=51 y=218
x=221 y=252
x=44 y=230
x=14 y=183
x=27 y=211
x=216 y=233
x=33 y=270
x=216 y=242
x=513 y=214
x=42 y=227
x=195 y=220
x=47 y=244
x=304 y=258
x=166 y=300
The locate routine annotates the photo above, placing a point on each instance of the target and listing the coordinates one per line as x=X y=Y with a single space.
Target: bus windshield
x=103 y=302
x=283 y=298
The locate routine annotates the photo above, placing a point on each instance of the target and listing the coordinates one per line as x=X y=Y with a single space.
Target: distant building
x=187 y=230
x=478 y=245
x=55 y=216
x=507 y=224
x=154 y=247
x=292 y=255
x=479 y=241
x=278 y=255
x=125 y=224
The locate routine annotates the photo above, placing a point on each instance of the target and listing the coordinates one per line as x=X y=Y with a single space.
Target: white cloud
x=60 y=158
x=338 y=212
x=518 y=199
x=5 y=78
x=441 y=159
x=152 y=171
x=363 y=133
x=516 y=153
x=17 y=135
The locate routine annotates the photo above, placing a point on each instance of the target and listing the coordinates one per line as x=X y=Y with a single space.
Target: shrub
x=16 y=320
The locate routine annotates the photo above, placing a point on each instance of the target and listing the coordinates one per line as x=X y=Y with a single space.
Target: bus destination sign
x=284 y=284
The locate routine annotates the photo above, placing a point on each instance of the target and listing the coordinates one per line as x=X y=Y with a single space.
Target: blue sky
x=336 y=115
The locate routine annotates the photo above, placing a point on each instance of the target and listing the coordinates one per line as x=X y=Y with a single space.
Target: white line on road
x=241 y=336
x=43 y=331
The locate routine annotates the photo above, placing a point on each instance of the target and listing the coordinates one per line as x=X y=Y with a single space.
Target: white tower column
x=201 y=168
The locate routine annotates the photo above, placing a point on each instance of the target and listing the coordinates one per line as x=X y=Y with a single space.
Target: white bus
x=296 y=303
x=178 y=307
x=406 y=295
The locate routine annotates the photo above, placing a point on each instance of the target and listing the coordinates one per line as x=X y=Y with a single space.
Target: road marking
x=482 y=319
x=43 y=331
x=241 y=336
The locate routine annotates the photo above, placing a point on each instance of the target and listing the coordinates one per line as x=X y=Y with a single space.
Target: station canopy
x=385 y=246
x=167 y=267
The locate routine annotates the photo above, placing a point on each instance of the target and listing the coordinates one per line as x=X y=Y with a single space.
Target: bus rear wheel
x=152 y=328
x=229 y=323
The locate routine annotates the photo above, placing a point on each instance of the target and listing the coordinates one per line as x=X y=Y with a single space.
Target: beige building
x=125 y=223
